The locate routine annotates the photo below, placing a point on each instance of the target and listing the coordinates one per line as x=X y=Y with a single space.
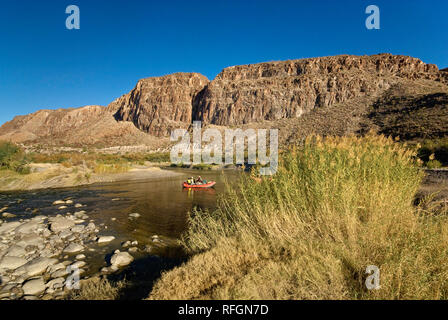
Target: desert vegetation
x=25 y=170
x=92 y=158
x=13 y=158
x=335 y=206
x=434 y=152
x=97 y=289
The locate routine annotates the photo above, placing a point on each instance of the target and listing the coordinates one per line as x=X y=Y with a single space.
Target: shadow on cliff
x=117 y=116
x=142 y=274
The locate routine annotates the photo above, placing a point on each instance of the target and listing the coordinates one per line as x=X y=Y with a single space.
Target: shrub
x=113 y=168
x=9 y=152
x=23 y=169
x=158 y=157
x=436 y=147
x=433 y=164
x=97 y=289
x=13 y=158
x=202 y=166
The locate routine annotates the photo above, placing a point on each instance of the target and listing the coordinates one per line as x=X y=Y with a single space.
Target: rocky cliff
x=160 y=104
x=289 y=89
x=329 y=95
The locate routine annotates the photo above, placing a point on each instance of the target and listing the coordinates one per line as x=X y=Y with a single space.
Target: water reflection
x=163 y=206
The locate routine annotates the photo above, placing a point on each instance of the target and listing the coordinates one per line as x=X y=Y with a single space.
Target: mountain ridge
x=244 y=95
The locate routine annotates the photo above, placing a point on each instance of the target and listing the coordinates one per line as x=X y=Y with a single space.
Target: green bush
x=436 y=147
x=433 y=164
x=8 y=153
x=13 y=158
x=158 y=157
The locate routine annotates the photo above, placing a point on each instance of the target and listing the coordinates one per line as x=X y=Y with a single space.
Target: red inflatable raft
x=205 y=185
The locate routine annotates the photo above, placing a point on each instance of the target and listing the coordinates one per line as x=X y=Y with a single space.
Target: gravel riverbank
x=42 y=257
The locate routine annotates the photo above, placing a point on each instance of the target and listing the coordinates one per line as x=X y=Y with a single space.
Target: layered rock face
x=160 y=104
x=289 y=89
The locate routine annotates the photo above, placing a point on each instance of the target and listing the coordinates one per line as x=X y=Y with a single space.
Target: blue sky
x=45 y=65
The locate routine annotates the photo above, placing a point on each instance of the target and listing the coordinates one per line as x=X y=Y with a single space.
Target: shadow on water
x=142 y=273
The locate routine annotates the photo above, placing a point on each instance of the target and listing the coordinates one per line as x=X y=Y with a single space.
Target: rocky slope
x=410 y=109
x=410 y=114
x=89 y=125
x=329 y=95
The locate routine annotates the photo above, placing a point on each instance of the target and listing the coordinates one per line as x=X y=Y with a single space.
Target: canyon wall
x=288 y=89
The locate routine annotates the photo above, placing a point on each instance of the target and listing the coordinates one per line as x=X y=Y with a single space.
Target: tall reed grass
x=335 y=206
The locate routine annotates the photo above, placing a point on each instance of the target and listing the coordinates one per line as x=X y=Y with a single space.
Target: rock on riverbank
x=31 y=251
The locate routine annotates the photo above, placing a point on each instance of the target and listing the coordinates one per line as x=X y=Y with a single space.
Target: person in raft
x=190 y=181
x=199 y=180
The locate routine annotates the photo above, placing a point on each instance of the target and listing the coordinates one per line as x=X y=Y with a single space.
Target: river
x=163 y=206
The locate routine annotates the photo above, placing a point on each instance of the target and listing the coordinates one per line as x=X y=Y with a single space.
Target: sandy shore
x=47 y=176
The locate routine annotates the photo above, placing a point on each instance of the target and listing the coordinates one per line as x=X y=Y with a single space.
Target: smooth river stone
x=60 y=273
x=6 y=291
x=28 y=227
x=16 y=251
x=39 y=266
x=31 y=240
x=59 y=224
x=34 y=287
x=73 y=247
x=4 y=279
x=103 y=239
x=55 y=284
x=12 y=263
x=91 y=226
x=9 y=226
x=9 y=215
x=134 y=215
x=39 y=218
x=121 y=259
x=56 y=267
x=64 y=234
x=78 y=264
x=79 y=214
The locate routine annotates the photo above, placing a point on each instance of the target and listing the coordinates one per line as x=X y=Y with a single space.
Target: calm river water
x=163 y=205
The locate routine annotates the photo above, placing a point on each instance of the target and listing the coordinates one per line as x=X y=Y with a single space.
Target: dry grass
x=10 y=176
x=334 y=207
x=75 y=158
x=111 y=168
x=97 y=289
